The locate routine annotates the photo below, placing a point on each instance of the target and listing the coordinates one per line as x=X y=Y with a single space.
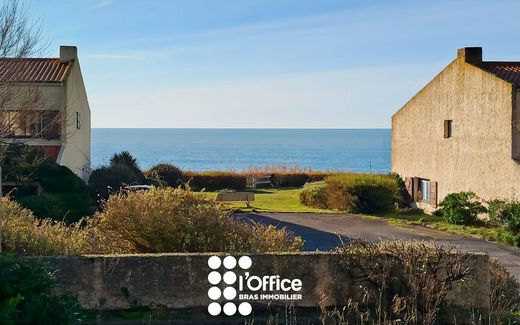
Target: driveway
x=323 y=232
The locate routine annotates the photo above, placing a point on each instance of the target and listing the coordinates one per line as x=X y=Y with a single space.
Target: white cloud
x=131 y=55
x=104 y=3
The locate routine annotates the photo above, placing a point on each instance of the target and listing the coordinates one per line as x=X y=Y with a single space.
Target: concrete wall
x=180 y=280
x=479 y=155
x=77 y=147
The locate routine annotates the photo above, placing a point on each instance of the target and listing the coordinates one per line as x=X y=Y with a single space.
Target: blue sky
x=268 y=63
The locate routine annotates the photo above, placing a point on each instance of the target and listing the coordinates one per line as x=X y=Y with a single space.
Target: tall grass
x=160 y=220
x=23 y=233
x=363 y=179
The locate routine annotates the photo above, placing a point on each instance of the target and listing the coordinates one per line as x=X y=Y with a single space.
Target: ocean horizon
x=359 y=150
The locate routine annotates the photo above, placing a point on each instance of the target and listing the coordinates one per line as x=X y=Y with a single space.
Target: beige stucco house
x=461 y=132
x=59 y=121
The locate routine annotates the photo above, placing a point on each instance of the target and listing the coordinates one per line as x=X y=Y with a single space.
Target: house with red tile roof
x=58 y=121
x=461 y=132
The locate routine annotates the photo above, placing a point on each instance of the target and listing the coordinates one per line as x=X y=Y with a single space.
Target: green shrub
x=64 y=195
x=339 y=197
x=296 y=179
x=461 y=208
x=361 y=193
x=125 y=158
x=26 y=295
x=20 y=162
x=165 y=174
x=289 y=179
x=215 y=180
x=59 y=179
x=314 y=195
x=176 y=220
x=106 y=180
x=122 y=170
x=497 y=212
x=68 y=207
x=505 y=214
x=404 y=197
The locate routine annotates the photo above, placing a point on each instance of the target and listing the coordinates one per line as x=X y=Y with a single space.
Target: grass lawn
x=480 y=229
x=274 y=200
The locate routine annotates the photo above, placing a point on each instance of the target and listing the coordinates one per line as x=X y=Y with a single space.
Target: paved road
x=323 y=232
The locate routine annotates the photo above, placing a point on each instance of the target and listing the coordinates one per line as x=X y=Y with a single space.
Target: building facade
x=461 y=132
x=56 y=113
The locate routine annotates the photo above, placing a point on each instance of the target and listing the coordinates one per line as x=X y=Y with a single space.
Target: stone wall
x=181 y=280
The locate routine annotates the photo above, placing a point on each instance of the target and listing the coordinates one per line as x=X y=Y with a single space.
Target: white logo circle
x=214 y=293
x=230 y=277
x=230 y=293
x=214 y=277
x=230 y=262
x=230 y=309
x=214 y=262
x=214 y=308
x=245 y=308
x=245 y=262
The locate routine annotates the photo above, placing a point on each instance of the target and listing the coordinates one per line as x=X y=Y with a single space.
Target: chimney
x=68 y=53
x=471 y=55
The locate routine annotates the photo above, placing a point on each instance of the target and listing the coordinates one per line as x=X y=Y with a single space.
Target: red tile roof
x=33 y=70
x=509 y=71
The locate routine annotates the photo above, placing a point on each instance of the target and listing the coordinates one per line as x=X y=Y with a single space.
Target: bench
x=236 y=197
x=254 y=180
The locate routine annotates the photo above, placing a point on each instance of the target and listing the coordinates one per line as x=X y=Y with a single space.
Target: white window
x=424 y=187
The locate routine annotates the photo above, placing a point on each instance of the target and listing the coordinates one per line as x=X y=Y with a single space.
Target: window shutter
x=408 y=184
x=433 y=194
x=447 y=128
x=415 y=188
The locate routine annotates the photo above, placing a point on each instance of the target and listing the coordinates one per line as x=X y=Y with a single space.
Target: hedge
x=296 y=179
x=214 y=180
x=355 y=193
x=362 y=193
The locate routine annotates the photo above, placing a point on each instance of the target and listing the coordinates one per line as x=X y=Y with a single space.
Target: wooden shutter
x=433 y=194
x=447 y=128
x=408 y=184
x=415 y=189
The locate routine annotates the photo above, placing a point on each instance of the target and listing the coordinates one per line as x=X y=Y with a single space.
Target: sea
x=359 y=150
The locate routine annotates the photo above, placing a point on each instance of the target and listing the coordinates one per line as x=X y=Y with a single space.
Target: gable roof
x=38 y=70
x=508 y=71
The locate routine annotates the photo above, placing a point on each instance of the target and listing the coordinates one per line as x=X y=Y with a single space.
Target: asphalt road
x=326 y=231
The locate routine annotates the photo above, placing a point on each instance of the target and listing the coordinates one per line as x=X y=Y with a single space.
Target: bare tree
x=20 y=107
x=21 y=110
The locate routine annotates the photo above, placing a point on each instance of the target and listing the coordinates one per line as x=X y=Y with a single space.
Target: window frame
x=426 y=193
x=36 y=125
